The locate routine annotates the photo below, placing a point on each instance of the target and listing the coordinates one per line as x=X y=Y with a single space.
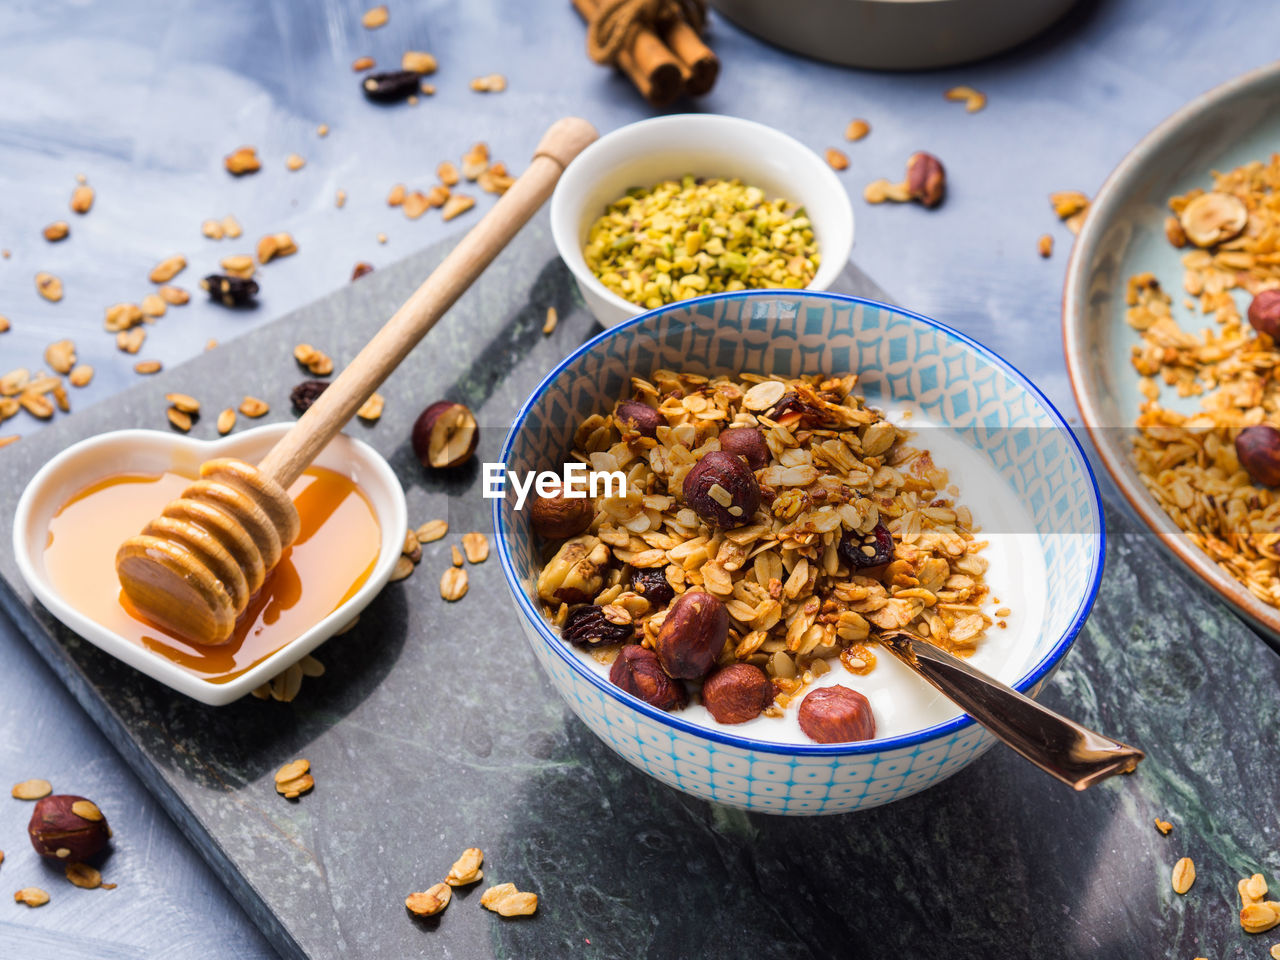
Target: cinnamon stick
x=652 y=67
x=701 y=66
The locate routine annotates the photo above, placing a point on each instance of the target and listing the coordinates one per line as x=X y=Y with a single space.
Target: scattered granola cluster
x=799 y=519
x=503 y=899
x=65 y=829
x=1213 y=471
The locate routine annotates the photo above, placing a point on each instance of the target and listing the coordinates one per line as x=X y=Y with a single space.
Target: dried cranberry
x=230 y=291
x=652 y=584
x=873 y=549
x=638 y=671
x=589 y=627
x=306 y=393
x=790 y=411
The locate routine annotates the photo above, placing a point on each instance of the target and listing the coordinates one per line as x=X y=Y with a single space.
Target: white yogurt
x=900 y=701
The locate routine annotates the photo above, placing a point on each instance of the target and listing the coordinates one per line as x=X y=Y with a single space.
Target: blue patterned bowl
x=899 y=356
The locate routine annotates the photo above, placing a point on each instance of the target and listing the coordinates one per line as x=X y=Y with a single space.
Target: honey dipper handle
x=563 y=141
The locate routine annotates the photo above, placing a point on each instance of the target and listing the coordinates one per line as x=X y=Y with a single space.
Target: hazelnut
x=926 y=180
x=559 y=517
x=748 y=443
x=737 y=693
x=722 y=490
x=592 y=626
x=68 y=828
x=861 y=551
x=637 y=416
x=638 y=671
x=1264 y=313
x=445 y=435
x=692 y=635
x=836 y=714
x=1258 y=449
x=653 y=585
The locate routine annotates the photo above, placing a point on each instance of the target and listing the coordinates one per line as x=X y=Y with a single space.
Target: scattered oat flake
x=1260 y=917
x=241 y=161
x=153 y=305
x=453 y=584
x=1164 y=826
x=211 y=229
x=1184 y=875
x=360 y=64
x=322 y=130
x=1254 y=887
x=166 y=270
x=456 y=205
x=476 y=547
x=4 y=324
x=311 y=667
x=174 y=296
x=431 y=531
x=1045 y=245
x=231 y=226
x=549 y=324
x=430 y=901
x=466 y=869
x=180 y=420
x=505 y=900
x=58 y=230
x=130 y=341
x=396 y=195
x=418 y=62
x=428 y=89
x=210 y=344
x=292 y=770
x=448 y=174
x=340 y=199
x=226 y=421
x=371 y=409
x=6 y=441
x=275 y=245
x=31 y=896
x=147 y=367
x=292 y=789
x=973 y=99
x=403 y=567
x=252 y=407
x=1275 y=951
x=239 y=265
x=80 y=375
x=82 y=199
x=1066 y=203
x=856 y=130
x=490 y=83
x=294 y=162
x=60 y=355
x=375 y=17
x=83 y=876
x=49 y=287
x=382 y=238
x=837 y=159
x=31 y=789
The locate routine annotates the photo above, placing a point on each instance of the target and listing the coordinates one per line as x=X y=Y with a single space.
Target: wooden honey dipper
x=194 y=568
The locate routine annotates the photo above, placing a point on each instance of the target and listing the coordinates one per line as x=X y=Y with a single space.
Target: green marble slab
x=434 y=730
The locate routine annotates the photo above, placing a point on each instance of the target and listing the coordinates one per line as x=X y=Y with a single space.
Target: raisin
x=873 y=549
x=230 y=291
x=653 y=586
x=793 y=412
x=361 y=269
x=306 y=393
x=589 y=627
x=391 y=86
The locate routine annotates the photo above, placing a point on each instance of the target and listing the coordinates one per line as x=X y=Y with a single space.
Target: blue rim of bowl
x=953 y=726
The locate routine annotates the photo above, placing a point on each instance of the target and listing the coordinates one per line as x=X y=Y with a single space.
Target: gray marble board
x=434 y=730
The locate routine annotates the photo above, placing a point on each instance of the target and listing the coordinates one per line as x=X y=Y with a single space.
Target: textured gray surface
x=433 y=730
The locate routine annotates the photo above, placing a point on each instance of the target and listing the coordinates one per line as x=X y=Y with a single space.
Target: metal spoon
x=1074 y=754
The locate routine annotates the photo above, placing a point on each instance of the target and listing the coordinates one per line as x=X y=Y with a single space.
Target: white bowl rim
x=955 y=725
x=570 y=248
x=1075 y=298
x=157 y=667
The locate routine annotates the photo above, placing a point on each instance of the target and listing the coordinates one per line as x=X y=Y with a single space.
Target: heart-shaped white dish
x=153 y=451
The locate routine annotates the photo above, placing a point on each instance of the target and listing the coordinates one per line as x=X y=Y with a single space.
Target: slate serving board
x=434 y=730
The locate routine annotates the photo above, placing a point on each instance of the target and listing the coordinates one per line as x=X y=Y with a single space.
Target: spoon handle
x=1074 y=754
x=563 y=141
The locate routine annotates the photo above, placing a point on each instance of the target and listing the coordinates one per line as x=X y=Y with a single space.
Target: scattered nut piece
x=147 y=367
x=81 y=375
x=36 y=405
x=276 y=245
x=174 y=295
x=58 y=230
x=382 y=238
x=211 y=229
x=1164 y=826
x=1184 y=875
x=437 y=195
x=476 y=547
x=122 y=316
x=83 y=876
x=496 y=179
x=432 y=530
x=1045 y=245
x=316 y=361
x=1067 y=203
x=82 y=199
x=361 y=269
x=179 y=420
x=361 y=64
x=231 y=227
x=166 y=270
x=61 y=355
x=242 y=161
x=184 y=402
x=505 y=900
x=926 y=179
x=490 y=83
x=226 y=421
x=416 y=204
x=475 y=161
x=418 y=62
x=1214 y=218
x=31 y=896
x=371 y=409
x=428 y=89
x=466 y=869
x=31 y=789
x=453 y=583
x=375 y=17
x=294 y=162
x=1174 y=233
x=404 y=567
x=973 y=99
x=878 y=191
x=856 y=130
x=49 y=287
x=411 y=547
x=240 y=266
x=448 y=174
x=836 y=159
x=253 y=408
x=430 y=901
x=456 y=205
x=130 y=341
x=549 y=324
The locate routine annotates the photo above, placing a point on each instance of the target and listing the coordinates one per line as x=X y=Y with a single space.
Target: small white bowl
x=705 y=145
x=153 y=451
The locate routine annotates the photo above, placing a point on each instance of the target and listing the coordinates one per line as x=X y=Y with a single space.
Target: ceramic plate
x=1124 y=234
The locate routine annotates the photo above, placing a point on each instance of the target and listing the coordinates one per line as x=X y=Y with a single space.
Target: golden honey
x=332 y=558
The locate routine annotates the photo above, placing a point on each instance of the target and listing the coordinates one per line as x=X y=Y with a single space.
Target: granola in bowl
x=769 y=531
